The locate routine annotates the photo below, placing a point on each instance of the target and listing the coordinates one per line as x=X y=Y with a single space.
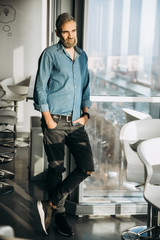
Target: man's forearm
x=49 y=120
x=46 y=115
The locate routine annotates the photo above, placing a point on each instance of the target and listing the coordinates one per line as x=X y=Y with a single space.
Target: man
x=62 y=94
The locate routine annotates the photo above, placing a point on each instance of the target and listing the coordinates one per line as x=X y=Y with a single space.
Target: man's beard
x=68 y=43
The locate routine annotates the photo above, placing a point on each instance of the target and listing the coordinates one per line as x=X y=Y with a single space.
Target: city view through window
x=122 y=41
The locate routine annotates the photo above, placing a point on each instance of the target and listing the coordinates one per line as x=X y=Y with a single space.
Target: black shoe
x=45 y=212
x=62 y=225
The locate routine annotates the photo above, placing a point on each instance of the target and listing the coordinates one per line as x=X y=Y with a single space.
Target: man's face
x=68 y=34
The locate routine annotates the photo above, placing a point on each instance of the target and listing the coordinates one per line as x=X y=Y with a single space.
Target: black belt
x=62 y=117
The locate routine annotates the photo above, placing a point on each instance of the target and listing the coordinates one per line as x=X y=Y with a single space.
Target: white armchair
x=131 y=135
x=149 y=153
x=131 y=115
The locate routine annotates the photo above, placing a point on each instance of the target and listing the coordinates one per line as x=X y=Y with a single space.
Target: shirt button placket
x=74 y=100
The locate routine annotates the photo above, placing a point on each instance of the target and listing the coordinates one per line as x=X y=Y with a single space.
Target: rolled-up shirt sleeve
x=42 y=78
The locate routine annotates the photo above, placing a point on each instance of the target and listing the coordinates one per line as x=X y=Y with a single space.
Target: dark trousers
x=76 y=138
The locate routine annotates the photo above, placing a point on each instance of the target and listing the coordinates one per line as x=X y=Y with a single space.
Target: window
x=123 y=42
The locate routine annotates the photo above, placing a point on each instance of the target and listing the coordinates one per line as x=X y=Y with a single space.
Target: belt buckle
x=67 y=119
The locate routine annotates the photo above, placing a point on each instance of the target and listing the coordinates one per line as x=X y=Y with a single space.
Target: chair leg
x=155 y=222
x=139 y=232
x=151 y=231
x=8 y=143
x=132 y=233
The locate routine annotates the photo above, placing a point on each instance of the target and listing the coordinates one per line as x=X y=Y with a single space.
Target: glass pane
x=123 y=47
x=104 y=128
x=122 y=40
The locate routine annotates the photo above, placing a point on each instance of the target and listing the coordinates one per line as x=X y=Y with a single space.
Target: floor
x=18 y=209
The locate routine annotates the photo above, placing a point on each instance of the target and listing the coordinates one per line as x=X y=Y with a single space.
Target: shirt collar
x=60 y=47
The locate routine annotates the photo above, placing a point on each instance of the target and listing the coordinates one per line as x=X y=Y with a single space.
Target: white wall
x=21 y=43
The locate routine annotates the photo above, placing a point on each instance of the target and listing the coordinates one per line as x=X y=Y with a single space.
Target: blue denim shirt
x=62 y=85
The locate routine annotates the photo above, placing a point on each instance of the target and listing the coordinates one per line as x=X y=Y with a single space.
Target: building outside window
x=122 y=40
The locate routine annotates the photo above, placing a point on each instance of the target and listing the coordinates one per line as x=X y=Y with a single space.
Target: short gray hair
x=63 y=18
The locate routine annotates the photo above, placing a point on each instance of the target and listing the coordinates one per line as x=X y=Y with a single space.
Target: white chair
x=131 y=115
x=6 y=157
x=131 y=135
x=6 y=231
x=5 y=188
x=15 y=93
x=149 y=153
x=7 y=117
x=9 y=93
x=10 y=96
x=7 y=112
x=4 y=105
x=20 y=88
x=2 y=92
